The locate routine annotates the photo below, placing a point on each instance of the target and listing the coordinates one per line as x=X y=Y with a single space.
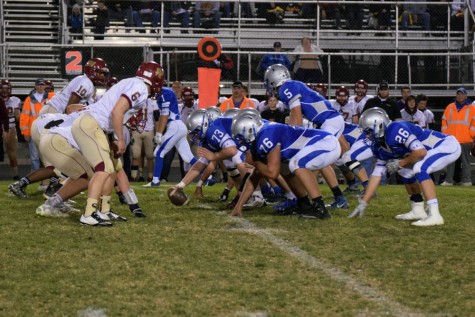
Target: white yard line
x=370 y=293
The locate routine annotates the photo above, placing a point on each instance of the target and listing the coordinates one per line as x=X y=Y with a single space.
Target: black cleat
x=138 y=212
x=113 y=216
x=317 y=212
x=52 y=188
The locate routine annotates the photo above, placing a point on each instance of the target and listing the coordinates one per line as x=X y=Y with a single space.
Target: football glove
x=158 y=138
x=359 y=210
x=393 y=166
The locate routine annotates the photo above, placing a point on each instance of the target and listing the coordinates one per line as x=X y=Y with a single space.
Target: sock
x=277 y=190
x=432 y=202
x=417 y=198
x=134 y=171
x=351 y=183
x=303 y=201
x=365 y=184
x=24 y=181
x=290 y=195
x=15 y=171
x=105 y=204
x=91 y=205
x=318 y=201
x=132 y=207
x=54 y=201
x=336 y=191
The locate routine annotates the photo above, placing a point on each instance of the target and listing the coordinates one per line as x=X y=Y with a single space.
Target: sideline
x=370 y=293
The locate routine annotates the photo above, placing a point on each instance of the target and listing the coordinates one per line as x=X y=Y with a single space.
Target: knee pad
x=233 y=172
x=354 y=166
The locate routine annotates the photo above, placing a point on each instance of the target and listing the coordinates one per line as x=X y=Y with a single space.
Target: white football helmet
x=274 y=76
x=245 y=127
x=231 y=113
x=213 y=112
x=374 y=121
x=197 y=123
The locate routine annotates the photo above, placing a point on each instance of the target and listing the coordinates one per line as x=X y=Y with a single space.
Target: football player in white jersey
x=347 y=108
x=81 y=89
x=360 y=97
x=107 y=117
x=13 y=108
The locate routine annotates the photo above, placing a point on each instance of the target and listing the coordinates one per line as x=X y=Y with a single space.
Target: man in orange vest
x=459 y=120
x=237 y=100
x=31 y=109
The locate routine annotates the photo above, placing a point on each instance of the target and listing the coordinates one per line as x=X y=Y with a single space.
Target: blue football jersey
x=291 y=139
x=168 y=104
x=401 y=135
x=353 y=133
x=218 y=133
x=314 y=106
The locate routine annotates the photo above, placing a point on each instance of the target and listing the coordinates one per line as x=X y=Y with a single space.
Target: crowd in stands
x=203 y=15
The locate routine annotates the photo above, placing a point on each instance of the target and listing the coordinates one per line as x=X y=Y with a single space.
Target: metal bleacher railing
x=434 y=61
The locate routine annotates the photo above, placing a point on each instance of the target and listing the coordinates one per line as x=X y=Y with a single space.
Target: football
x=177 y=196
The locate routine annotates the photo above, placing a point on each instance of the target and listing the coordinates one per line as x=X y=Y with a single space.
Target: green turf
x=197 y=261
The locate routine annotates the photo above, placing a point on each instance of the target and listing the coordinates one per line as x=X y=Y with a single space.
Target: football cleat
x=353 y=189
x=288 y=203
x=138 y=212
x=121 y=198
x=317 y=212
x=255 y=202
x=66 y=208
x=152 y=184
x=49 y=211
x=340 y=202
x=417 y=212
x=113 y=216
x=94 y=220
x=17 y=190
x=289 y=211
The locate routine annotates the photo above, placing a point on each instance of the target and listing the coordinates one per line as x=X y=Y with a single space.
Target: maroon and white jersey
x=185 y=111
x=347 y=111
x=64 y=129
x=417 y=118
x=133 y=89
x=12 y=103
x=150 y=107
x=360 y=104
x=80 y=86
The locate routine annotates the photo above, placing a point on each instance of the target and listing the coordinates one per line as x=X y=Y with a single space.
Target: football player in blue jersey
x=216 y=144
x=300 y=151
x=414 y=153
x=349 y=163
x=170 y=131
x=305 y=102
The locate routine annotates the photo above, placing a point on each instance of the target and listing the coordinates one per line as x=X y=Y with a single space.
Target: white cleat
x=49 y=211
x=417 y=212
x=255 y=202
x=94 y=220
x=435 y=220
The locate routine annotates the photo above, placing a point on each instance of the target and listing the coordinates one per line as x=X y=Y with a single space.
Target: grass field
x=197 y=261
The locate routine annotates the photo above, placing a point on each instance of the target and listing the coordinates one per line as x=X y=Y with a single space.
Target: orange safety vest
x=459 y=123
x=229 y=104
x=30 y=111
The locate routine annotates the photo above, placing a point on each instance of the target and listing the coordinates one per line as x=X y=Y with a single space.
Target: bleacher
x=35 y=30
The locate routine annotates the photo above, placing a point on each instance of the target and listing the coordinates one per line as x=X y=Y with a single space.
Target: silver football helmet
x=231 y=113
x=374 y=121
x=213 y=112
x=245 y=127
x=274 y=76
x=248 y=111
x=197 y=123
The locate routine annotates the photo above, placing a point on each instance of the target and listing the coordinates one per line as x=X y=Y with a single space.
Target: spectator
x=307 y=67
x=206 y=15
x=405 y=92
x=177 y=10
x=122 y=11
x=411 y=114
x=354 y=15
x=459 y=120
x=264 y=105
x=421 y=104
x=383 y=101
x=148 y=11
x=272 y=12
x=412 y=14
x=12 y=104
x=380 y=16
x=273 y=113
x=360 y=97
x=143 y=143
x=457 y=20
x=237 y=100
x=102 y=19
x=276 y=58
x=31 y=109
x=75 y=20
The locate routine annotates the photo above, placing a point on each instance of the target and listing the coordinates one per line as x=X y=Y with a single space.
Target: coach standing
x=383 y=101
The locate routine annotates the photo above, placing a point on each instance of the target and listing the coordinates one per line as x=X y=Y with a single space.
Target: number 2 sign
x=73 y=63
